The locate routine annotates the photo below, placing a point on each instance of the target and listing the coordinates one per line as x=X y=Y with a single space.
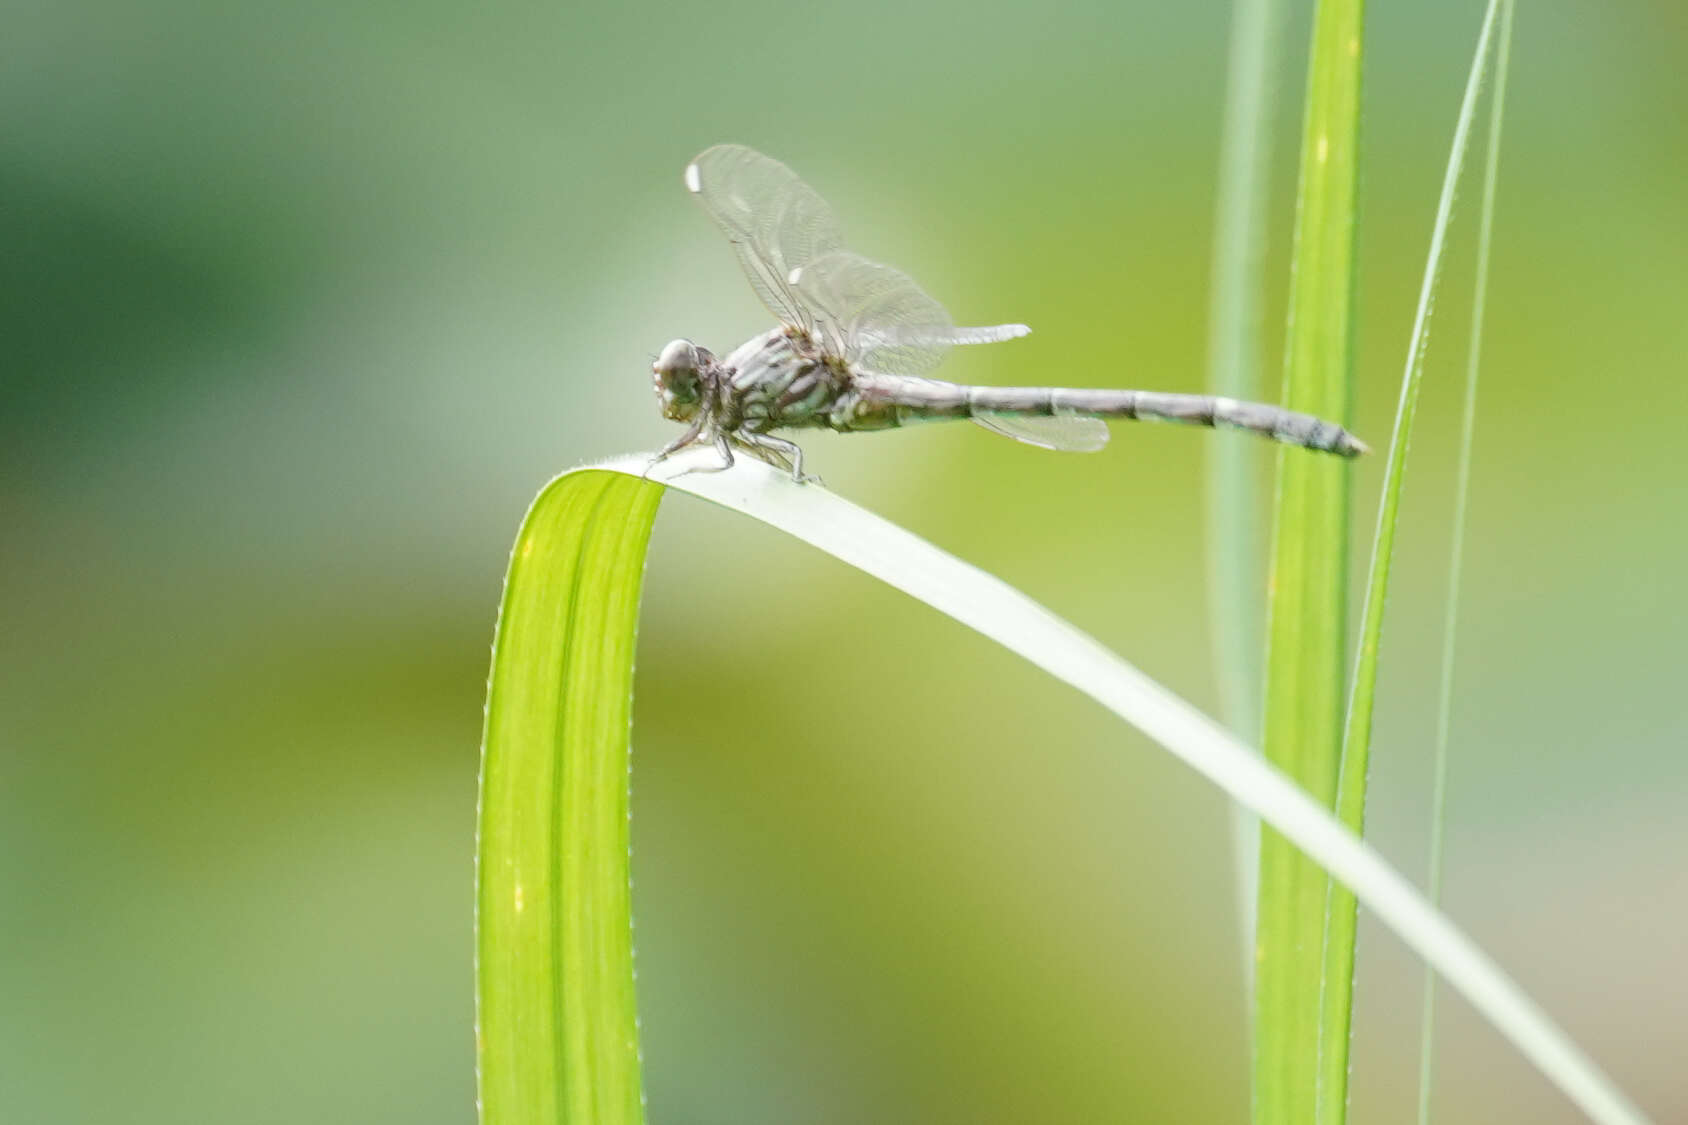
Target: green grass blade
x=1235 y=346
x=1456 y=554
x=1307 y=606
x=556 y=1037
x=1341 y=917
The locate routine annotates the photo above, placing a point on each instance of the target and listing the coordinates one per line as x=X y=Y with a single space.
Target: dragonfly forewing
x=775 y=222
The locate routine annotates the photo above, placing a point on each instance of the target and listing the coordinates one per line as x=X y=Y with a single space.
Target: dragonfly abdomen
x=1288 y=426
x=899 y=401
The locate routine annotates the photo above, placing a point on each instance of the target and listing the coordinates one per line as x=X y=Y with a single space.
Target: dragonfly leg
x=724 y=448
x=786 y=454
x=675 y=446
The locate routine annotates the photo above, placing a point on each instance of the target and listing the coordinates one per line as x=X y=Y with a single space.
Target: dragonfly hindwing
x=1071 y=432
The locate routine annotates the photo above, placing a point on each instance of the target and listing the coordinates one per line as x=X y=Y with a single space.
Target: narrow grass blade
x=558 y=1041
x=1307 y=606
x=1456 y=554
x=1341 y=917
x=557 y=1038
x=1235 y=358
x=1005 y=615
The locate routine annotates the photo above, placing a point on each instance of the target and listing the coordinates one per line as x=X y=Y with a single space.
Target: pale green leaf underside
x=556 y=1030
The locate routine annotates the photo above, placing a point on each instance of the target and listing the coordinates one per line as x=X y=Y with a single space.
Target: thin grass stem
x=1341 y=911
x=1236 y=533
x=1456 y=554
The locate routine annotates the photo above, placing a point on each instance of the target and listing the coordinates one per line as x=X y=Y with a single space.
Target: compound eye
x=679 y=355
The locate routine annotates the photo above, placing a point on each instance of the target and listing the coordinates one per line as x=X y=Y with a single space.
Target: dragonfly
x=856 y=339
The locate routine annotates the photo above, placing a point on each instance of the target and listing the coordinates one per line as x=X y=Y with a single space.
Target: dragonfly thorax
x=678 y=375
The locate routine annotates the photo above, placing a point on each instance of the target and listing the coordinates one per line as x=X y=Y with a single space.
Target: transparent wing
x=878 y=319
x=1075 y=433
x=991 y=334
x=775 y=222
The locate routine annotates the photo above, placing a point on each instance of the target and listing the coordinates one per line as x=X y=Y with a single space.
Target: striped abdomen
x=910 y=400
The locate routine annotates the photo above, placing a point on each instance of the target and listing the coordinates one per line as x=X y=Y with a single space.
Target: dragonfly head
x=678 y=375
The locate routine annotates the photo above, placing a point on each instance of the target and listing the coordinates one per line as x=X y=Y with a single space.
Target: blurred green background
x=303 y=303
